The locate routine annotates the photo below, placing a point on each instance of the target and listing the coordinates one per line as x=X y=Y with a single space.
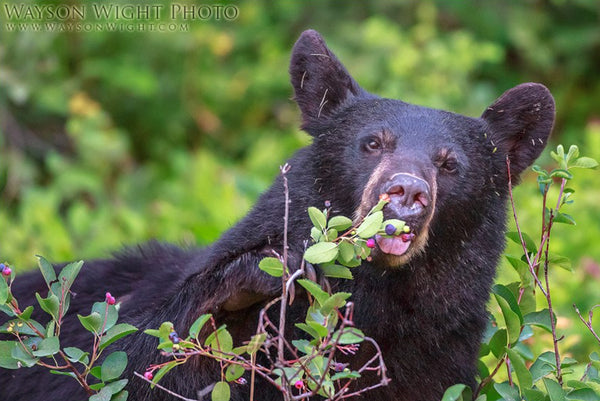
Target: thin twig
x=514 y=210
x=164 y=388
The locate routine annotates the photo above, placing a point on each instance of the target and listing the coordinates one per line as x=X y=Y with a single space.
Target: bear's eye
x=372 y=145
x=449 y=165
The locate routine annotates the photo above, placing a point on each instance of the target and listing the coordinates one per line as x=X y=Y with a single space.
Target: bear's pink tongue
x=392 y=245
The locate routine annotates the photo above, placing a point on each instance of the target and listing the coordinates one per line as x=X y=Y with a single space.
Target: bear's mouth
x=396 y=244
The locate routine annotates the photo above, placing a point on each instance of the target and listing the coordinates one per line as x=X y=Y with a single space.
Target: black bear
x=423 y=301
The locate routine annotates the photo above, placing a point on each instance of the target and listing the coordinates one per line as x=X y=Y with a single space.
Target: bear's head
x=439 y=169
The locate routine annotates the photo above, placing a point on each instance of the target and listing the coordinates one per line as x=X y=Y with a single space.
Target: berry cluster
x=5 y=269
x=110 y=299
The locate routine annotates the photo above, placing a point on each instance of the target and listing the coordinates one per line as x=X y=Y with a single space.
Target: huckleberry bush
x=311 y=368
x=37 y=344
x=508 y=368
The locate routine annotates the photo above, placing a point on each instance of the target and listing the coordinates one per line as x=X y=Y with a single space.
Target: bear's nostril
x=396 y=190
x=422 y=199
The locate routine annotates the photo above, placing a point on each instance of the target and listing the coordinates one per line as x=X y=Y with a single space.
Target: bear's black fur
x=423 y=301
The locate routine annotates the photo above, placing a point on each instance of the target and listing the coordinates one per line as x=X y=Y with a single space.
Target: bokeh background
x=112 y=138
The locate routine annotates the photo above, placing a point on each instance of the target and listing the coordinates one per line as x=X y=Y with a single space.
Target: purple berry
x=339 y=367
x=2 y=266
x=390 y=229
x=148 y=375
x=407 y=237
x=6 y=271
x=371 y=243
x=327 y=204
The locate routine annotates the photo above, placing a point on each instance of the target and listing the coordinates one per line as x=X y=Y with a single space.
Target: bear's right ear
x=321 y=83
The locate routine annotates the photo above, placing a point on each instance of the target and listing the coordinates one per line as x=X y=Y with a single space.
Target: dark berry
x=2 y=266
x=241 y=380
x=371 y=243
x=390 y=229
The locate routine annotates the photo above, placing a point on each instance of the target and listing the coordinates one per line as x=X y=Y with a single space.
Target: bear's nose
x=408 y=191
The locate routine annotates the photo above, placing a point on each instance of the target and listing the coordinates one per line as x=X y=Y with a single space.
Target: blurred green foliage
x=111 y=138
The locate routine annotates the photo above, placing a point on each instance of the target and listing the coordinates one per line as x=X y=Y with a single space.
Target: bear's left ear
x=519 y=124
x=321 y=83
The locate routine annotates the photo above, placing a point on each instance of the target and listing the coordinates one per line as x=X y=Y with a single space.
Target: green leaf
x=370 y=226
x=584 y=394
x=350 y=335
x=379 y=206
x=48 y=346
x=318 y=328
x=91 y=322
x=26 y=314
x=498 y=343
x=540 y=319
x=573 y=153
x=336 y=300
x=116 y=333
x=561 y=173
x=199 y=324
x=554 y=390
x=76 y=355
x=518 y=364
x=271 y=266
x=3 y=290
x=321 y=252
x=47 y=270
x=346 y=252
x=163 y=371
x=106 y=393
x=19 y=353
x=584 y=162
x=564 y=218
x=512 y=320
x=49 y=305
x=544 y=365
x=336 y=271
x=533 y=395
x=96 y=371
x=221 y=392
x=220 y=341
x=67 y=275
x=108 y=314
x=113 y=366
x=315 y=290
x=6 y=359
x=509 y=296
x=120 y=396
x=303 y=346
x=455 y=393
x=256 y=342
x=305 y=327
x=317 y=217
x=339 y=223
x=234 y=372
x=560 y=261
x=508 y=392
x=522 y=268
x=529 y=243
